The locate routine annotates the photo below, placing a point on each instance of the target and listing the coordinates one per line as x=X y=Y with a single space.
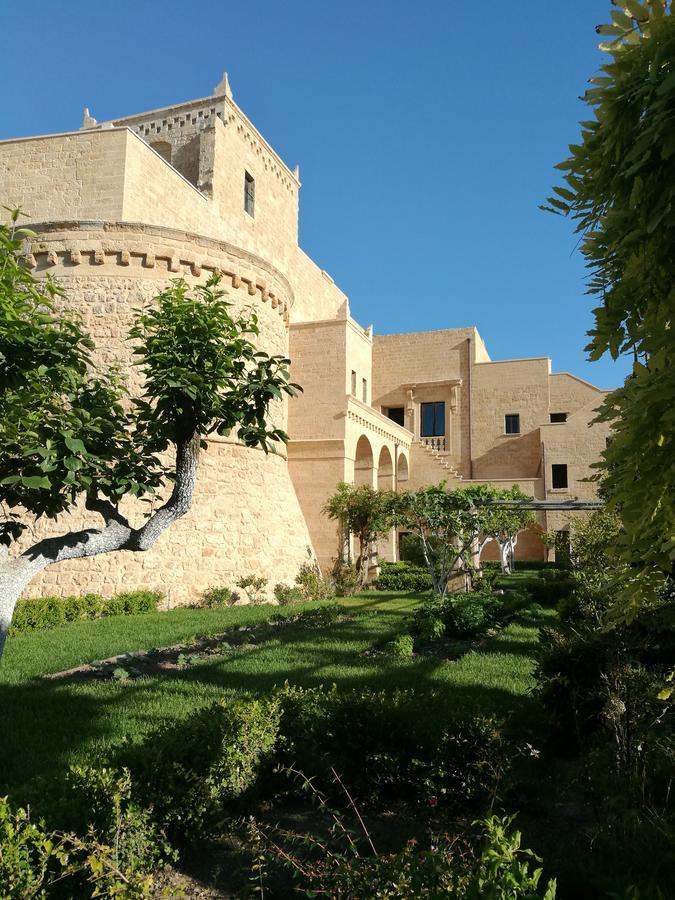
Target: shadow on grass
x=46 y=725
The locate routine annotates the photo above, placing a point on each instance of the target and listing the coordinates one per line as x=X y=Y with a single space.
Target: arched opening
x=402 y=474
x=163 y=148
x=363 y=462
x=385 y=471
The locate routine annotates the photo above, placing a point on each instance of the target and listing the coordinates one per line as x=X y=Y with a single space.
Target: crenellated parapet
x=125 y=248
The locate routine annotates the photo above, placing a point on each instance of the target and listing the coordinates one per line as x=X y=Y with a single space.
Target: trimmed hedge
x=402 y=576
x=35 y=614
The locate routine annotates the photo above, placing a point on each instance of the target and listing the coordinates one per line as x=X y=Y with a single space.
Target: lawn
x=49 y=725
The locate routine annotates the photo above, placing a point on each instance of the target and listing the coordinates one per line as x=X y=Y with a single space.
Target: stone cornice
x=133 y=245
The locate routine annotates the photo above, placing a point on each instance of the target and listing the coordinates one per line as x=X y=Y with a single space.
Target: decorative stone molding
x=70 y=245
x=364 y=421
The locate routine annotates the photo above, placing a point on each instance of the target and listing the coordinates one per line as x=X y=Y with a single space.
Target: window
x=249 y=193
x=558 y=417
x=353 y=383
x=433 y=420
x=559 y=476
x=396 y=414
x=364 y=389
x=512 y=423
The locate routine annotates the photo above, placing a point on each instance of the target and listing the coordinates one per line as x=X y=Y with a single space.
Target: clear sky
x=426 y=135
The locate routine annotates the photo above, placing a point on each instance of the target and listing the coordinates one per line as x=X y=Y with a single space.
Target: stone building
x=122 y=207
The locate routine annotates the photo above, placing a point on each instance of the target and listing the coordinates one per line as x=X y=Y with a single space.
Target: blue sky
x=426 y=135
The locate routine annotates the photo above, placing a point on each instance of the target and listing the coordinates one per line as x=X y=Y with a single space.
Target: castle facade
x=120 y=208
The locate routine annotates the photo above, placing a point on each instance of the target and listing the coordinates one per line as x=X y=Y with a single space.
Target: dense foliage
x=620 y=190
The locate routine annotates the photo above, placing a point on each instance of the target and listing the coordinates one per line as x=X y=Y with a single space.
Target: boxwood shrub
x=402 y=576
x=34 y=614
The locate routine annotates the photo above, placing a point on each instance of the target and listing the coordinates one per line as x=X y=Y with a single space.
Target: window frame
x=507 y=417
x=558 y=420
x=435 y=404
x=353 y=383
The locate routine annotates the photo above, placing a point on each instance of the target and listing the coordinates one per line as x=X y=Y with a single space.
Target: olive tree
x=70 y=433
x=619 y=188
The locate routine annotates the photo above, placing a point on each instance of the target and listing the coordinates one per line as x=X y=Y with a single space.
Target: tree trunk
x=17 y=572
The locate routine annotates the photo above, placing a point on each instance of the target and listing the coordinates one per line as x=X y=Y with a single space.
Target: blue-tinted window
x=433 y=420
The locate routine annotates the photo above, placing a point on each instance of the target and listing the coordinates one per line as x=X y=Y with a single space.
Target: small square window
x=512 y=423
x=558 y=417
x=559 y=476
x=364 y=386
x=353 y=383
x=249 y=193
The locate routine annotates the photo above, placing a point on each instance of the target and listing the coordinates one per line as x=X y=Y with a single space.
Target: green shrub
x=254 y=587
x=34 y=614
x=345 y=580
x=132 y=603
x=401 y=576
x=313 y=584
x=402 y=646
x=24 y=854
x=287 y=595
x=471 y=614
x=402 y=746
x=447 y=869
x=218 y=596
x=101 y=798
x=462 y=615
x=191 y=775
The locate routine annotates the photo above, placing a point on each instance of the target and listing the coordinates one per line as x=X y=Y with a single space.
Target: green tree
x=503 y=524
x=361 y=511
x=446 y=523
x=620 y=190
x=70 y=433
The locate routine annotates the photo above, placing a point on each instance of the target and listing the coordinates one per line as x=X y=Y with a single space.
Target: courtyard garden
x=435 y=727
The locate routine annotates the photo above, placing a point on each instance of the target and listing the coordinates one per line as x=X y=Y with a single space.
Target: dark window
x=559 y=475
x=433 y=420
x=353 y=383
x=512 y=424
x=364 y=386
x=249 y=193
x=558 y=417
x=396 y=414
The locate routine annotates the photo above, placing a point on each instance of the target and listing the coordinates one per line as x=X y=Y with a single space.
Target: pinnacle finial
x=88 y=121
x=223 y=87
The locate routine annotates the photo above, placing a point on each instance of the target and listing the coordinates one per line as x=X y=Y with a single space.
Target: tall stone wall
x=246 y=517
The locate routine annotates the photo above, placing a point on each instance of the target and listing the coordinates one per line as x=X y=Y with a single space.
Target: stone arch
x=385 y=470
x=163 y=148
x=403 y=473
x=364 y=465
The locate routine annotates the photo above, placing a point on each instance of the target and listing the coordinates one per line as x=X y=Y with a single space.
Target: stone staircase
x=440 y=460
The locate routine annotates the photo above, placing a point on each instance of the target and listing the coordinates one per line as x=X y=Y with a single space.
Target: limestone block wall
x=427 y=361
x=67 y=176
x=317 y=297
x=498 y=389
x=246 y=517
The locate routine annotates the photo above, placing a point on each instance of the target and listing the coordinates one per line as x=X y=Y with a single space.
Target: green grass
x=49 y=726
